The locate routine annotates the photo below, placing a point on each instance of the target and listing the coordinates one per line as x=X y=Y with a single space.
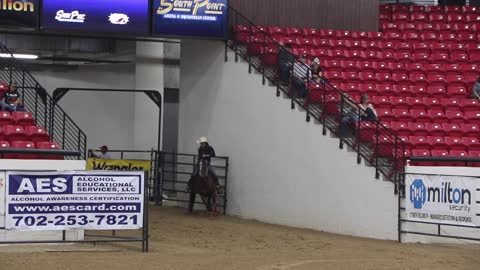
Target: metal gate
x=175 y=171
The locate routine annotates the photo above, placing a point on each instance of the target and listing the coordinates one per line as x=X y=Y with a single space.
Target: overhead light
x=19 y=56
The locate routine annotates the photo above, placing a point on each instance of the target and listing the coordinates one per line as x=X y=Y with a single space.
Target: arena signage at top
x=20 y=13
x=198 y=18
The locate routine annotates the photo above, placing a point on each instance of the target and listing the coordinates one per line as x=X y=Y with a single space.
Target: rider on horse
x=206 y=152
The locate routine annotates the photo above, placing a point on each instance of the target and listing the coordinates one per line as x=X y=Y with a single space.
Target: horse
x=204 y=185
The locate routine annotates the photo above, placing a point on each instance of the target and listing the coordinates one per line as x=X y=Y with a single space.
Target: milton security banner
x=74 y=200
x=2 y=199
x=451 y=200
x=95 y=164
x=191 y=18
x=19 y=13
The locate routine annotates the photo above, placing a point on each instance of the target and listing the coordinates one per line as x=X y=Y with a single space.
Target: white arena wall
x=38 y=165
x=282 y=170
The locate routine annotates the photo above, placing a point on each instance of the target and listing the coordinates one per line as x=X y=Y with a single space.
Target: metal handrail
x=59 y=125
x=237 y=19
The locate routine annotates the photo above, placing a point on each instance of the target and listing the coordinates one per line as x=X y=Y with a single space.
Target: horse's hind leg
x=191 y=202
x=214 y=200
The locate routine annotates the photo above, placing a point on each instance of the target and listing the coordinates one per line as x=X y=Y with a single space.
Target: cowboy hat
x=202 y=140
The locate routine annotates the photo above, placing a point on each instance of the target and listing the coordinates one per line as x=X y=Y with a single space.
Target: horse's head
x=204 y=168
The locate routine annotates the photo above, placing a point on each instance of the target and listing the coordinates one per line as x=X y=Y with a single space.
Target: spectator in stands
x=476 y=89
x=316 y=68
x=103 y=153
x=351 y=114
x=11 y=100
x=286 y=59
x=301 y=75
x=206 y=152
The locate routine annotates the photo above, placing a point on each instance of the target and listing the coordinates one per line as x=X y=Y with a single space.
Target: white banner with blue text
x=74 y=200
x=453 y=200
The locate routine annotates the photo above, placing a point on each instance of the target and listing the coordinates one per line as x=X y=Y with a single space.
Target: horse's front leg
x=206 y=201
x=214 y=202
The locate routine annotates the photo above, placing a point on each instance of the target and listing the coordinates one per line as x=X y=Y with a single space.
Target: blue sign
x=97 y=16
x=191 y=18
x=418 y=194
x=19 y=13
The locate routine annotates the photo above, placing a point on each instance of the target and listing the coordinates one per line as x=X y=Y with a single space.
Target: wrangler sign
x=94 y=164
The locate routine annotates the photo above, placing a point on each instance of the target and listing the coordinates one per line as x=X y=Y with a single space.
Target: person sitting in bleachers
x=351 y=114
x=11 y=100
x=316 y=68
x=476 y=89
x=301 y=74
x=285 y=59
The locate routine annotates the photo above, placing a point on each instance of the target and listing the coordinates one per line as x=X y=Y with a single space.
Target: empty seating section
x=419 y=72
x=19 y=130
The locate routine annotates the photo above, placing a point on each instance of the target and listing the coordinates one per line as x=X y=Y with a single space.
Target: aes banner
x=451 y=200
x=74 y=200
x=95 y=164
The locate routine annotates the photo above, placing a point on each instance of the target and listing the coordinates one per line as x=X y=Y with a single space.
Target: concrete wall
x=282 y=170
x=99 y=115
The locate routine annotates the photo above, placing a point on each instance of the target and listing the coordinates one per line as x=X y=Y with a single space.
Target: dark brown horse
x=204 y=185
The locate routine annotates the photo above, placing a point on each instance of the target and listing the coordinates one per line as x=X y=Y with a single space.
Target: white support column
x=149 y=70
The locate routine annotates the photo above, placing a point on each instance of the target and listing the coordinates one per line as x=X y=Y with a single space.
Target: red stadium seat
x=23 y=145
x=420 y=116
x=327 y=33
x=359 y=35
x=49 y=146
x=321 y=43
x=371 y=45
x=436 y=90
x=458 y=154
x=416 y=103
x=457 y=91
x=452 y=130
x=5 y=144
x=5 y=118
x=401 y=128
x=385 y=115
x=421 y=47
x=470 y=130
x=467 y=38
x=381 y=67
x=310 y=32
x=470 y=10
x=409 y=27
x=474 y=154
x=277 y=32
x=439 y=57
x=437 y=17
x=269 y=56
x=397 y=67
x=419 y=57
x=402 y=115
x=418 y=78
x=352 y=55
x=435 y=9
x=294 y=32
x=453 y=9
x=381 y=102
x=14 y=133
x=401 y=16
x=322 y=53
x=400 y=77
x=354 y=44
x=470 y=105
x=414 y=8
x=452 y=69
x=436 y=79
x=457 y=48
x=393 y=36
x=411 y=36
x=378 y=36
x=472 y=143
x=403 y=47
x=37 y=134
x=434 y=68
x=437 y=143
x=385 y=89
x=438 y=116
x=242 y=34
x=419 y=143
x=451 y=104
x=439 y=47
x=414 y=67
x=343 y=34
x=440 y=153
x=403 y=90
x=403 y=57
x=433 y=103
x=421 y=153
x=472 y=18
x=472 y=117
x=419 y=16
x=455 y=18
x=457 y=57
x=387 y=46
x=335 y=54
x=474 y=57
x=418 y=129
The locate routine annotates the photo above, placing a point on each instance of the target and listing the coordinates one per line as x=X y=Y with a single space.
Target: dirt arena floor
x=182 y=242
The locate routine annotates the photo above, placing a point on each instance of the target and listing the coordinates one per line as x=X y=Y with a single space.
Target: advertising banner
x=95 y=164
x=453 y=200
x=191 y=18
x=2 y=199
x=97 y=16
x=74 y=200
x=19 y=13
